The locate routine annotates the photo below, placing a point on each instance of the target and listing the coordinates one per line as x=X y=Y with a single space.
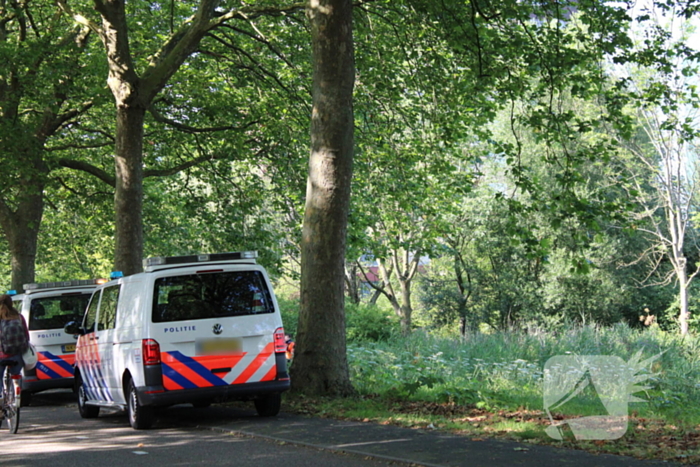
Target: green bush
x=363 y=322
x=369 y=323
x=289 y=308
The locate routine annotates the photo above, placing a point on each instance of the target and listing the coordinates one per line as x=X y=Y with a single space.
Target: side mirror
x=73 y=327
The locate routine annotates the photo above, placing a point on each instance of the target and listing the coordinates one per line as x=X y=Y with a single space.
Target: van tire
x=25 y=399
x=268 y=405
x=140 y=417
x=86 y=411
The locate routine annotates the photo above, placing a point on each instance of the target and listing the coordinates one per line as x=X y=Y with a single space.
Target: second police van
x=189 y=329
x=47 y=307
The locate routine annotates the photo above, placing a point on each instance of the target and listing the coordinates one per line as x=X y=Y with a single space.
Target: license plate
x=218 y=346
x=68 y=348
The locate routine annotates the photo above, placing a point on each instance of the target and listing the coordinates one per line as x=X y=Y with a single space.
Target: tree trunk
x=320 y=366
x=375 y=296
x=22 y=231
x=128 y=194
x=352 y=282
x=132 y=96
x=21 y=224
x=406 y=308
x=23 y=245
x=684 y=314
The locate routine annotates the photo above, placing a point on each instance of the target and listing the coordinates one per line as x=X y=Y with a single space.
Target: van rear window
x=55 y=312
x=210 y=295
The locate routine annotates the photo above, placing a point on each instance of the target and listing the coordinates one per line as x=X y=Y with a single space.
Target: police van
x=189 y=329
x=47 y=307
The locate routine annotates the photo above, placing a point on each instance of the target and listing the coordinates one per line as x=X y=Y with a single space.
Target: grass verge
x=492 y=386
x=646 y=438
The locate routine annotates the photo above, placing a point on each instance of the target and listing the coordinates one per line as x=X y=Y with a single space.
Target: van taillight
x=280 y=341
x=151 y=352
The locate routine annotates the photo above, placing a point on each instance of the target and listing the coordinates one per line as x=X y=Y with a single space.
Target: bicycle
x=11 y=393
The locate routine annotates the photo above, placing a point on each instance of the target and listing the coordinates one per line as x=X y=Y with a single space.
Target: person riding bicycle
x=14 y=338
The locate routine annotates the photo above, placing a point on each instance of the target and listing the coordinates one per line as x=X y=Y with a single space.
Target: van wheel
x=86 y=411
x=140 y=417
x=268 y=405
x=202 y=404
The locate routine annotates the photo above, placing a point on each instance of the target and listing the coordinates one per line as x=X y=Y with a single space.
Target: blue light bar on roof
x=60 y=284
x=11 y=292
x=199 y=258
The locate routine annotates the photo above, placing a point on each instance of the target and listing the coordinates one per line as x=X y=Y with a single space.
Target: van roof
x=47 y=286
x=164 y=262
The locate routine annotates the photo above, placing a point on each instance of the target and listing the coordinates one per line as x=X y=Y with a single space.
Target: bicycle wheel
x=11 y=402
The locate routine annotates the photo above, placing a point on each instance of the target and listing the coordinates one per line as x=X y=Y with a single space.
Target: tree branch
x=157 y=116
x=89 y=168
x=178 y=168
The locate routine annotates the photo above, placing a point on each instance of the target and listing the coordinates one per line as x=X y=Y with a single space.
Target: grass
x=492 y=385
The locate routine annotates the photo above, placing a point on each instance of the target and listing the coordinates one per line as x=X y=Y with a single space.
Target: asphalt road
x=51 y=433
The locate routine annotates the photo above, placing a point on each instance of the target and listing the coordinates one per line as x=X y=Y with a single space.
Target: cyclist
x=14 y=339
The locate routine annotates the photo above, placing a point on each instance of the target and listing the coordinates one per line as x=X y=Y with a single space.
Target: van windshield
x=210 y=295
x=55 y=312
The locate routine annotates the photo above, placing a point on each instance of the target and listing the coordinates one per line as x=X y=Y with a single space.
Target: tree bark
x=128 y=193
x=684 y=314
x=406 y=307
x=133 y=95
x=352 y=282
x=320 y=366
x=38 y=87
x=405 y=272
x=21 y=225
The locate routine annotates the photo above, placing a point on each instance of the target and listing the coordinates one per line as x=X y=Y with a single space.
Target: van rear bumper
x=157 y=396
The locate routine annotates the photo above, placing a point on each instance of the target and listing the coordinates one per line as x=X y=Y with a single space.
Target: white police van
x=189 y=329
x=47 y=307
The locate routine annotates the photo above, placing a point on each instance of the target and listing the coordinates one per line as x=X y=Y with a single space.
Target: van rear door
x=215 y=328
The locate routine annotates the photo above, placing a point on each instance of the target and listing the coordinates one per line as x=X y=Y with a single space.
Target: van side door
x=87 y=354
x=107 y=340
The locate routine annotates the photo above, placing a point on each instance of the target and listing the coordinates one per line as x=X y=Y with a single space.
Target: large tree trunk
x=21 y=229
x=20 y=217
x=320 y=366
x=128 y=194
x=133 y=94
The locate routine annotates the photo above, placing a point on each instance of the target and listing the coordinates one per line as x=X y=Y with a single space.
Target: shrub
x=289 y=308
x=369 y=323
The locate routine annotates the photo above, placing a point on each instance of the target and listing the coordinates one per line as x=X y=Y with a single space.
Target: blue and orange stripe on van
x=50 y=366
x=183 y=372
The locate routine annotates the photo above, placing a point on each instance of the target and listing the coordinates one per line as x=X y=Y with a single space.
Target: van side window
x=108 y=308
x=91 y=314
x=210 y=295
